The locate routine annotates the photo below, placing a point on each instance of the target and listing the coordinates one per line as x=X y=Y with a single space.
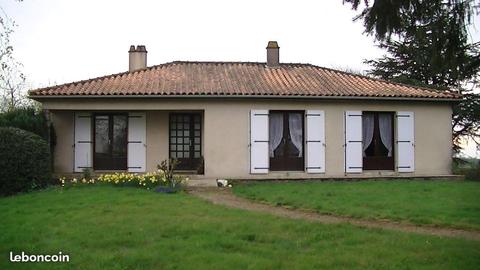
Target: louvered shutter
x=353 y=142
x=137 y=142
x=315 y=130
x=259 y=159
x=406 y=141
x=83 y=141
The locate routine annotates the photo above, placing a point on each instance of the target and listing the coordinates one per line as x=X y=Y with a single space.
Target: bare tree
x=12 y=80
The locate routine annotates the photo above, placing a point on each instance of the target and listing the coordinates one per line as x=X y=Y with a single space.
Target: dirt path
x=226 y=198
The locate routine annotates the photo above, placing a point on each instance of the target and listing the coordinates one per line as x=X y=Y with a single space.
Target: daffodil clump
x=148 y=180
x=64 y=182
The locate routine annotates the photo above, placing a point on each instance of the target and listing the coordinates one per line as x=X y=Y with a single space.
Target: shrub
x=168 y=167
x=468 y=167
x=24 y=161
x=28 y=119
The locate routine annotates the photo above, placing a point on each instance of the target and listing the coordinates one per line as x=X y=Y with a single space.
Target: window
x=185 y=139
x=286 y=147
x=378 y=146
x=110 y=142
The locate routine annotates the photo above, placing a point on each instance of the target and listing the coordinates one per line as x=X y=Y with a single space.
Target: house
x=242 y=120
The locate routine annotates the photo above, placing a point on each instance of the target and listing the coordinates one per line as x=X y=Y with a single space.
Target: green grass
x=444 y=203
x=103 y=227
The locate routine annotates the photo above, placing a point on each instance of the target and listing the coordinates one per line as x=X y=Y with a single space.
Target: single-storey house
x=245 y=120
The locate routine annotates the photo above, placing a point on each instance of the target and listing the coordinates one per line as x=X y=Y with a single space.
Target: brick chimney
x=137 y=58
x=273 y=51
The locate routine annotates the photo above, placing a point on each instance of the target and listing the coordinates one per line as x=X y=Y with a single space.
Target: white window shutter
x=353 y=142
x=137 y=135
x=315 y=141
x=83 y=141
x=259 y=158
x=406 y=141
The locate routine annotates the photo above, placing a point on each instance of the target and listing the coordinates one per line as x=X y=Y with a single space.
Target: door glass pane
x=119 y=144
x=101 y=135
x=276 y=131
x=295 y=135
x=386 y=136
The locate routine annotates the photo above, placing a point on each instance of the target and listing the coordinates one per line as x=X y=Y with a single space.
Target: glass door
x=186 y=139
x=286 y=140
x=378 y=142
x=110 y=142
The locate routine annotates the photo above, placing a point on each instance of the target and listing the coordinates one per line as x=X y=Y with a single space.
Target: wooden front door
x=286 y=129
x=186 y=139
x=110 y=142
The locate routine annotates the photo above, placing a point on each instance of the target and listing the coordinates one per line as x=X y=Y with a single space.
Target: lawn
x=443 y=203
x=104 y=227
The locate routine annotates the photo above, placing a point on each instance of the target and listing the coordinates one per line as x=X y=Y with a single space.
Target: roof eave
x=40 y=97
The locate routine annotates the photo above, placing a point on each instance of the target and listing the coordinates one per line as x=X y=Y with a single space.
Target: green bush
x=468 y=167
x=24 y=161
x=28 y=119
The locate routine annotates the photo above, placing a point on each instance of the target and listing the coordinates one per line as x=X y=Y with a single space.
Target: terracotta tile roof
x=239 y=79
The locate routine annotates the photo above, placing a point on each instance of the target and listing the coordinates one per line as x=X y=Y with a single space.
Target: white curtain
x=367 y=130
x=385 y=125
x=296 y=131
x=276 y=131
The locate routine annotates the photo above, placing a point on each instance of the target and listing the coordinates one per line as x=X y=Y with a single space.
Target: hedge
x=24 y=161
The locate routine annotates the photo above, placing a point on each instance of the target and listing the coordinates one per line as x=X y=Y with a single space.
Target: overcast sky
x=63 y=41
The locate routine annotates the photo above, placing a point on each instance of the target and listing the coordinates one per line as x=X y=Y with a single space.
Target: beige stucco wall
x=226 y=131
x=63 y=153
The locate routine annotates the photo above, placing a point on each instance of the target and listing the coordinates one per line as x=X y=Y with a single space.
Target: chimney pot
x=137 y=58
x=273 y=54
